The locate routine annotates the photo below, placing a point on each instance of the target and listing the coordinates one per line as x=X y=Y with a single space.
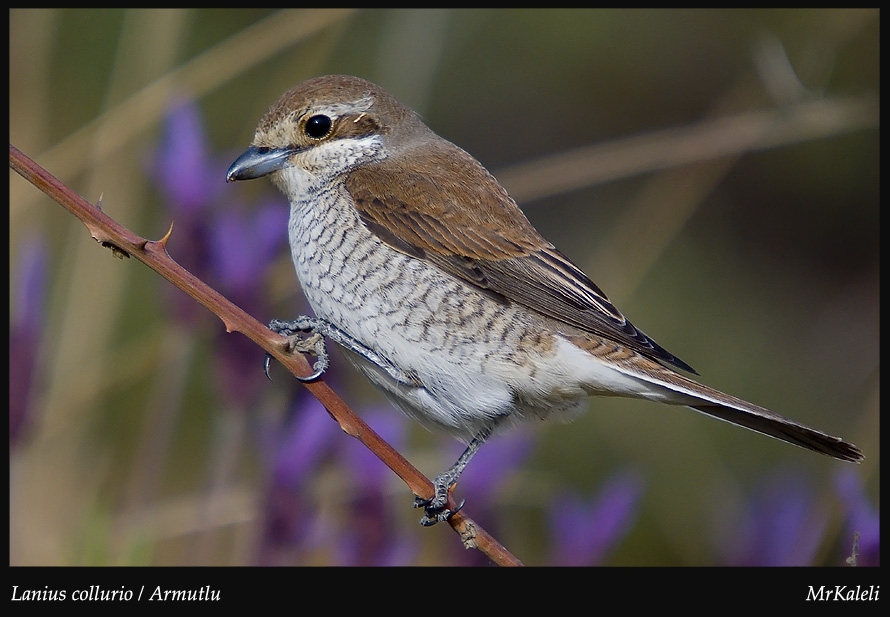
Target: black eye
x=318 y=126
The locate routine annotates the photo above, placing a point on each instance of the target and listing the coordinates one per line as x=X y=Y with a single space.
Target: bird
x=424 y=270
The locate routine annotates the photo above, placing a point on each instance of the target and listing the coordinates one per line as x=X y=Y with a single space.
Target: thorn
x=163 y=241
x=99 y=203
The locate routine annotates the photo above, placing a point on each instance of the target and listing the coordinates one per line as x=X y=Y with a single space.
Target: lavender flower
x=862 y=517
x=783 y=524
x=26 y=326
x=585 y=530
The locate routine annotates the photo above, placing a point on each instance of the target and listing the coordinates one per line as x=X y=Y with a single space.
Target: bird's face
x=322 y=129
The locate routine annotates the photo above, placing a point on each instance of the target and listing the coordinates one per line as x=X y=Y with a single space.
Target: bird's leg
x=314 y=344
x=434 y=508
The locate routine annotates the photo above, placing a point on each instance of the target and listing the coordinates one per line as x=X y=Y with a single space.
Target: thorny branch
x=123 y=242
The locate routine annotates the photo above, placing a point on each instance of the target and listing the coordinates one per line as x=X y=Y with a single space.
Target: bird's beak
x=258 y=162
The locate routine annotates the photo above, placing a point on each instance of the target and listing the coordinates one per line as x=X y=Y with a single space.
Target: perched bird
x=422 y=267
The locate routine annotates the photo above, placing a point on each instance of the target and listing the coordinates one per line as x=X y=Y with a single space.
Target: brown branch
x=124 y=242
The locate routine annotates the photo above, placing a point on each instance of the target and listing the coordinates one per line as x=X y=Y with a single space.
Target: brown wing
x=471 y=228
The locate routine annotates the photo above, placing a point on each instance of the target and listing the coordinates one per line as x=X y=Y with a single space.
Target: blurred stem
x=707 y=140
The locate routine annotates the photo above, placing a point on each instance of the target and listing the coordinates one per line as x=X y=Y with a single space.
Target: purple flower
x=225 y=243
x=368 y=537
x=243 y=244
x=302 y=443
x=26 y=326
x=291 y=524
x=369 y=473
x=862 y=518
x=584 y=531
x=185 y=175
x=783 y=524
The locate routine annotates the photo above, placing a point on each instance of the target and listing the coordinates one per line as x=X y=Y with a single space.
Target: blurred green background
x=750 y=253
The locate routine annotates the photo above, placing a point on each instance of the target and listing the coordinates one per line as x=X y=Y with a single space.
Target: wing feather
x=467 y=225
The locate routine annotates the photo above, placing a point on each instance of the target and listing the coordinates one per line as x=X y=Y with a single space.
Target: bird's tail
x=768 y=423
x=681 y=390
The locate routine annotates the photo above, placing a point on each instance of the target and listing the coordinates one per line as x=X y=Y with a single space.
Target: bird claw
x=435 y=510
x=312 y=344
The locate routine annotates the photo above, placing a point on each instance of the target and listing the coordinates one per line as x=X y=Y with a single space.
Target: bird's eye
x=318 y=126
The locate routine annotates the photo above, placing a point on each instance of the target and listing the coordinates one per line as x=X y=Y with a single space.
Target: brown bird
x=422 y=267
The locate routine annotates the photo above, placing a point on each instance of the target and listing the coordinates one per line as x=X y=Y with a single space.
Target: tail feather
x=677 y=389
x=769 y=423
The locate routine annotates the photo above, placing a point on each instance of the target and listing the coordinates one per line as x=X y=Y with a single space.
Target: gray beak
x=258 y=162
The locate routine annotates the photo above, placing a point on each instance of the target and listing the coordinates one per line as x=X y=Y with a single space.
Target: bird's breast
x=476 y=356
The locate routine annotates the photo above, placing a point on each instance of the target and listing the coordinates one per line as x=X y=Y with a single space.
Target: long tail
x=720 y=405
x=772 y=424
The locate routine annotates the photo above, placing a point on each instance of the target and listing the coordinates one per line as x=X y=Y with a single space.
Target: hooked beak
x=258 y=162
